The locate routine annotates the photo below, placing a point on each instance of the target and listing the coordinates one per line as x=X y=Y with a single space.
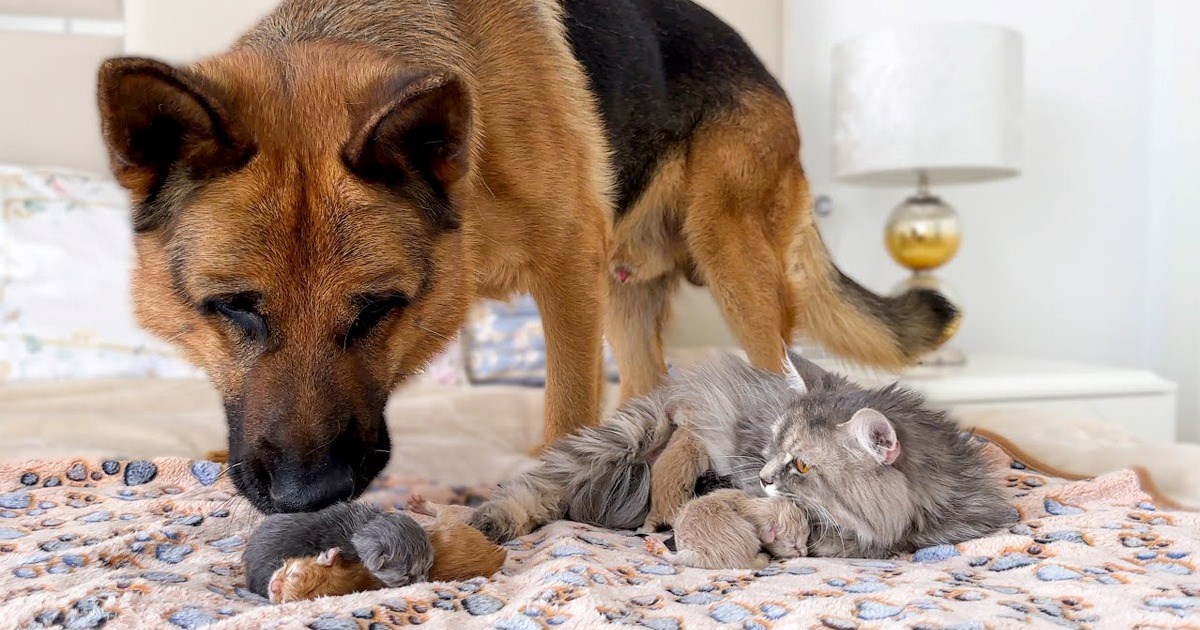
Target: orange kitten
x=460 y=552
x=328 y=574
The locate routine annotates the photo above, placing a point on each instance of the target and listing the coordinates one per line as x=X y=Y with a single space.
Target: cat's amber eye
x=801 y=467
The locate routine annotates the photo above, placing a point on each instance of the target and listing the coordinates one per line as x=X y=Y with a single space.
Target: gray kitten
x=392 y=546
x=876 y=472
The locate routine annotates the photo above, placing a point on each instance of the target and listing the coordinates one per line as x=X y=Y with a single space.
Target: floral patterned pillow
x=505 y=344
x=65 y=254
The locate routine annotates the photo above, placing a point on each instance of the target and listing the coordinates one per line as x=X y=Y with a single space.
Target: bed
x=110 y=516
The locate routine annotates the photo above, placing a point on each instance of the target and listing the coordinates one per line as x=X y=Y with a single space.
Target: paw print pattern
x=159 y=543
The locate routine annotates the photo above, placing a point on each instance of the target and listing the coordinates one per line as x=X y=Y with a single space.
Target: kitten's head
x=328 y=574
x=831 y=451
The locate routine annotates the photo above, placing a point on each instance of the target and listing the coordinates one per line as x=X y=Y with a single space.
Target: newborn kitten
x=391 y=546
x=460 y=552
x=729 y=529
x=876 y=472
x=328 y=574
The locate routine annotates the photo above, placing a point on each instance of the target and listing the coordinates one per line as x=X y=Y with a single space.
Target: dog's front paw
x=500 y=521
x=395 y=549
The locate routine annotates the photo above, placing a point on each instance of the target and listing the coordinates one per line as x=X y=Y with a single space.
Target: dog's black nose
x=311 y=490
x=280 y=475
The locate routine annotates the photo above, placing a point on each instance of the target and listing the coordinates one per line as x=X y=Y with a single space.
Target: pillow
x=65 y=254
x=505 y=344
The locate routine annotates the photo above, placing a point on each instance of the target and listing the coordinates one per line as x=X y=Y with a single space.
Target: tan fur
x=728 y=529
x=736 y=215
x=460 y=552
x=673 y=477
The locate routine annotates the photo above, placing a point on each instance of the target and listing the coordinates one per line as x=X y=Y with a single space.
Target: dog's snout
x=309 y=491
x=280 y=476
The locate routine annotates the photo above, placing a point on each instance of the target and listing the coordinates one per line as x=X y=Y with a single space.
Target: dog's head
x=298 y=236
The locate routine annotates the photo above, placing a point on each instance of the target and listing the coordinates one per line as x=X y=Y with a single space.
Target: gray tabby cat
x=877 y=472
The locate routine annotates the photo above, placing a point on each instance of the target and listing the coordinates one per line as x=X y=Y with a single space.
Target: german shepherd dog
x=316 y=208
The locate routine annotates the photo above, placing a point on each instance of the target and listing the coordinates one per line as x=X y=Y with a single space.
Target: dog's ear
x=156 y=118
x=414 y=135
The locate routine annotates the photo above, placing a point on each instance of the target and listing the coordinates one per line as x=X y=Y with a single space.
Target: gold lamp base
x=923 y=233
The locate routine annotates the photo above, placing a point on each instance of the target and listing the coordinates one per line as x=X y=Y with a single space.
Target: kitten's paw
x=761 y=561
x=418 y=505
x=655 y=546
x=395 y=549
x=500 y=521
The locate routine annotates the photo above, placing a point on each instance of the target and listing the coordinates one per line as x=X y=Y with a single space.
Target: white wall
x=1173 y=312
x=1054 y=262
x=1089 y=254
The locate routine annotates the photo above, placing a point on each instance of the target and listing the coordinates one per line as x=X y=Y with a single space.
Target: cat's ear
x=875 y=434
x=795 y=381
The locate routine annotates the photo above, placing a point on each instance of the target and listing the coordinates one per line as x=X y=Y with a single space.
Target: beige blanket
x=145 y=544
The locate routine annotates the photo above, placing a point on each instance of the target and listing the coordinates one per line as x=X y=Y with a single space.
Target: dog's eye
x=374 y=309
x=241 y=310
x=801 y=467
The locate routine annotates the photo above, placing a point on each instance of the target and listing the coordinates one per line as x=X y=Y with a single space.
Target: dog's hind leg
x=739 y=222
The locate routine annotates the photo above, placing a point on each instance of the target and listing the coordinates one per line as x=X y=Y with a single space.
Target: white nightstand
x=1138 y=401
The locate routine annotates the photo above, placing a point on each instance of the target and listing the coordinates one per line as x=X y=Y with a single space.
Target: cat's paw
x=395 y=549
x=500 y=521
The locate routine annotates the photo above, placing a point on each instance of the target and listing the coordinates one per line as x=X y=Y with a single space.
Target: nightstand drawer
x=1138 y=401
x=1150 y=418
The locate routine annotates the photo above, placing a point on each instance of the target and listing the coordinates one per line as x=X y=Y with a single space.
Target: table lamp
x=922 y=106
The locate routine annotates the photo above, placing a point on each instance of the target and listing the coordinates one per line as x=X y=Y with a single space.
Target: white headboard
x=50 y=49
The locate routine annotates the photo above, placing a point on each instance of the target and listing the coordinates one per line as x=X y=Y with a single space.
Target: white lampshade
x=945 y=99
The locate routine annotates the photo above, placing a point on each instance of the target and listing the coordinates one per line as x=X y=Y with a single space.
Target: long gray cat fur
x=883 y=474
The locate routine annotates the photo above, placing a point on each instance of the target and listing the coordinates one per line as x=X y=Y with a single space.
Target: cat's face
x=830 y=453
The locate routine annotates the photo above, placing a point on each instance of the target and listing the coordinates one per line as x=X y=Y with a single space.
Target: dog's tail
x=854 y=323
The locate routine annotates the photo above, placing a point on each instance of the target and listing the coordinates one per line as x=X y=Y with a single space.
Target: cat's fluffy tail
x=598 y=475
x=612 y=482
x=851 y=321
